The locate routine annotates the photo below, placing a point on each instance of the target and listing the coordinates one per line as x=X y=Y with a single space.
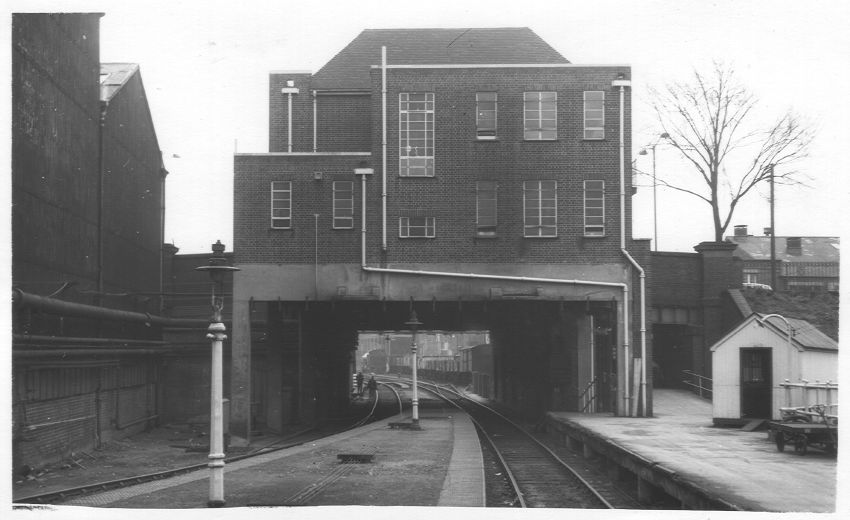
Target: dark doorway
x=756 y=383
x=671 y=355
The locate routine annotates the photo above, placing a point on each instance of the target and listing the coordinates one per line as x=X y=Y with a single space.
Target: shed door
x=756 y=383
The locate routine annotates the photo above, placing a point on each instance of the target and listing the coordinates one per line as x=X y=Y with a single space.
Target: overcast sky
x=205 y=68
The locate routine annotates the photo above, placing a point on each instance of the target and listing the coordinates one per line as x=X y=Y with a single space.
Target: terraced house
x=474 y=176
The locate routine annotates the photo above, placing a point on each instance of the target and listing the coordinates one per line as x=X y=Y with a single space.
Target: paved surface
x=438 y=465
x=743 y=468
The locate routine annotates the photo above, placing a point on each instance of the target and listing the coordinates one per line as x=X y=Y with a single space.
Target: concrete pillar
x=719 y=272
x=647 y=492
x=587 y=452
x=614 y=470
x=240 y=374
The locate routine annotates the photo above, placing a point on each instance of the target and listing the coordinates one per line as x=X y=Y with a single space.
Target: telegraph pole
x=772 y=234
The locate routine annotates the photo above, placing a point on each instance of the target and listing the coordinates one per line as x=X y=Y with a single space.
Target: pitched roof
x=349 y=69
x=813 y=249
x=805 y=334
x=819 y=308
x=113 y=76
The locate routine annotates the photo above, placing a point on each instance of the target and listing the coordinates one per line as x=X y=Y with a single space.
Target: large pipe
x=64 y=308
x=84 y=352
x=384 y=145
x=35 y=339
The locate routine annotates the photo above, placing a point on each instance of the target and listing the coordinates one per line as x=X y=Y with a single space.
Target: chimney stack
x=794 y=246
x=741 y=230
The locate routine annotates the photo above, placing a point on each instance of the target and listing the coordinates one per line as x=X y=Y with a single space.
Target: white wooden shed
x=751 y=362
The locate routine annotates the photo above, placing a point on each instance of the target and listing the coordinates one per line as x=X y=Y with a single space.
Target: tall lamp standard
x=665 y=135
x=215 y=333
x=413 y=323
x=387 y=338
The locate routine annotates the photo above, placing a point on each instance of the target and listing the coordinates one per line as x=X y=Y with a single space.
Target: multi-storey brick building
x=474 y=175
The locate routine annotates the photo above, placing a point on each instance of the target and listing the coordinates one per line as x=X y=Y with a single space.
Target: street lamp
x=387 y=338
x=215 y=333
x=665 y=135
x=413 y=323
x=763 y=320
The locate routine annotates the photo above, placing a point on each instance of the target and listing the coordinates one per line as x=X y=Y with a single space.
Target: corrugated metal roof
x=113 y=76
x=804 y=333
x=813 y=249
x=349 y=69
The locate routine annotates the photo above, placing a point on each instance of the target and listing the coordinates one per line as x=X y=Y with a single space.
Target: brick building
x=87 y=217
x=472 y=175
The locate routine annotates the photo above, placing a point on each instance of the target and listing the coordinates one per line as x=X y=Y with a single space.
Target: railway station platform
x=439 y=465
x=679 y=452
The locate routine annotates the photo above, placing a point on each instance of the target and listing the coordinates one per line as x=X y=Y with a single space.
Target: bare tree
x=709 y=121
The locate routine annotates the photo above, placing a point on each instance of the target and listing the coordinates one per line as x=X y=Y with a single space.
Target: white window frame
x=594 y=225
x=281 y=191
x=427 y=224
x=533 y=226
x=594 y=117
x=482 y=188
x=413 y=162
x=343 y=217
x=533 y=127
x=485 y=134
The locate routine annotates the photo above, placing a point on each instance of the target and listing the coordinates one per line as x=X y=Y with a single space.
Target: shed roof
x=113 y=76
x=804 y=335
x=349 y=69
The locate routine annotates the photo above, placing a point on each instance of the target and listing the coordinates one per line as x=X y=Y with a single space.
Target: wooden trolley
x=804 y=427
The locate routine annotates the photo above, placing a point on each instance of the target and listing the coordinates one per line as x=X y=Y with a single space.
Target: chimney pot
x=741 y=230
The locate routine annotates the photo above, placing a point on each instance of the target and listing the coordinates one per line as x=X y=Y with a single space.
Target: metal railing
x=587 y=398
x=814 y=402
x=698 y=384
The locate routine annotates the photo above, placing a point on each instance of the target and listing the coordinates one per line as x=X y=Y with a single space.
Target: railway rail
x=539 y=477
x=376 y=412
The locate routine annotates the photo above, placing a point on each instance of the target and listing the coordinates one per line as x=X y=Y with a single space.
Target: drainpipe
x=478 y=276
x=315 y=123
x=622 y=84
x=383 y=145
x=104 y=105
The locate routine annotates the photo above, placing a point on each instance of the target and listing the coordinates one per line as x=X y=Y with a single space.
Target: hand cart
x=803 y=428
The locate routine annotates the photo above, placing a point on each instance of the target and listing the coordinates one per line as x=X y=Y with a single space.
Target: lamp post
x=215 y=333
x=764 y=319
x=387 y=338
x=665 y=135
x=413 y=323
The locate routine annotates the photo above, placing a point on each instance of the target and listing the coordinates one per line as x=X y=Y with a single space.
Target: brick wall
x=302 y=113
x=344 y=123
x=677 y=280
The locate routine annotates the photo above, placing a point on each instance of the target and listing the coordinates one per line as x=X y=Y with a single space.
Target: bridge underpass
x=545 y=353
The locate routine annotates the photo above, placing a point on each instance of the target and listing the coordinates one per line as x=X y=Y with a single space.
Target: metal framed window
x=416 y=134
x=594 y=208
x=540 y=208
x=417 y=227
x=485 y=114
x=485 y=208
x=540 y=115
x=343 y=204
x=594 y=114
x=281 y=207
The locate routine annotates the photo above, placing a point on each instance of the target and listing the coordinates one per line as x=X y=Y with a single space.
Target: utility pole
x=772 y=235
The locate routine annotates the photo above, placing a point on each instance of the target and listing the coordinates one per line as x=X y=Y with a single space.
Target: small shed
x=751 y=362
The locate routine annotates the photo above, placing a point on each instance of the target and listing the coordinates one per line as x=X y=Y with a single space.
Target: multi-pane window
x=485 y=210
x=485 y=118
x=416 y=227
x=416 y=134
x=343 y=204
x=540 y=115
x=594 y=208
x=594 y=114
x=281 y=204
x=540 y=208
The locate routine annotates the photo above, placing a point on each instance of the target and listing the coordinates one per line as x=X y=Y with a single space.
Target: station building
x=474 y=176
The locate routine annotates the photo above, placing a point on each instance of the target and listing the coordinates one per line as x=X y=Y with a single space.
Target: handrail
x=699 y=387
x=588 y=397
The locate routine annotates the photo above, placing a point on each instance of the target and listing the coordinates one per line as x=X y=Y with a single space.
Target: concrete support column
x=240 y=374
x=647 y=492
x=614 y=470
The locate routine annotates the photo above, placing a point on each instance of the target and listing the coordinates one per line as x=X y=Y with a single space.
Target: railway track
x=539 y=477
x=377 y=412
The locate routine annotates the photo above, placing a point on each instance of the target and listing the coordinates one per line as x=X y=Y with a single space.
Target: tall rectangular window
x=594 y=114
x=343 y=204
x=416 y=134
x=416 y=227
x=594 y=208
x=540 y=115
x=281 y=204
x=540 y=208
x=485 y=118
x=485 y=209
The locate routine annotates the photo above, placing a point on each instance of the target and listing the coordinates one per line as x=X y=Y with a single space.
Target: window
x=594 y=114
x=416 y=227
x=343 y=204
x=485 y=209
x=540 y=115
x=485 y=118
x=281 y=204
x=540 y=201
x=594 y=208
x=751 y=276
x=416 y=134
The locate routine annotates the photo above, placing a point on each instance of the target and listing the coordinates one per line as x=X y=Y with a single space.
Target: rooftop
x=349 y=69
x=812 y=249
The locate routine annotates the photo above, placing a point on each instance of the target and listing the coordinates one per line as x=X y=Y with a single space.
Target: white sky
x=205 y=67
